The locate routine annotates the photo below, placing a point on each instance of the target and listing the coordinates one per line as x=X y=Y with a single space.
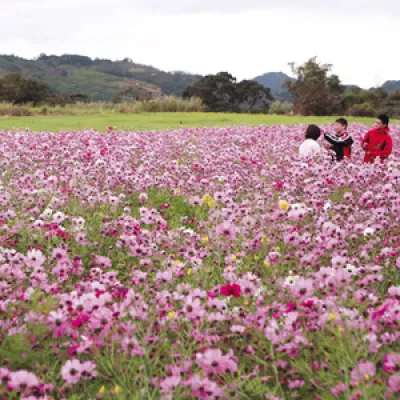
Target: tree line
x=17 y=89
x=314 y=91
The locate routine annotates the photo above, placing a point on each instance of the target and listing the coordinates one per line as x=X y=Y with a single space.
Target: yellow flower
x=176 y=262
x=340 y=329
x=366 y=376
x=189 y=271
x=246 y=302
x=117 y=389
x=212 y=204
x=233 y=258
x=204 y=240
x=102 y=389
x=332 y=317
x=264 y=240
x=266 y=263
x=171 y=314
x=177 y=191
x=256 y=258
x=207 y=198
x=277 y=248
x=284 y=205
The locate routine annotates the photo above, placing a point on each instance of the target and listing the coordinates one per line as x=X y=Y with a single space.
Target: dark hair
x=313 y=132
x=384 y=119
x=342 y=121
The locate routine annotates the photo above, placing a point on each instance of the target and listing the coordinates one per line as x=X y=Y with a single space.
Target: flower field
x=199 y=263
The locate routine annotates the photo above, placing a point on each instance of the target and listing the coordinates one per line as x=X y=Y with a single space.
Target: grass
x=156 y=121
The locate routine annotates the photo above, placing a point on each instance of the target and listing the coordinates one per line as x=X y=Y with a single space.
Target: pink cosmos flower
x=35 y=258
x=394 y=383
x=102 y=262
x=362 y=372
x=391 y=362
x=227 y=229
x=213 y=361
x=295 y=384
x=71 y=371
x=204 y=388
x=169 y=384
x=238 y=329
x=143 y=198
x=88 y=370
x=23 y=380
x=338 y=389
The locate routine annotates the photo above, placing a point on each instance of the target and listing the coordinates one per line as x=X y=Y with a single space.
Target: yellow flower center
x=284 y=205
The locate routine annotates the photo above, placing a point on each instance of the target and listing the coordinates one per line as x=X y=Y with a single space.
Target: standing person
x=340 y=141
x=310 y=146
x=377 y=142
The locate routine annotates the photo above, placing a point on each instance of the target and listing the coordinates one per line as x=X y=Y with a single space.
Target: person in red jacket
x=377 y=142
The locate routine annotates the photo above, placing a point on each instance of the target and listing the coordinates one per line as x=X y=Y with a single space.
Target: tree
x=16 y=89
x=251 y=97
x=216 y=91
x=351 y=98
x=221 y=93
x=313 y=91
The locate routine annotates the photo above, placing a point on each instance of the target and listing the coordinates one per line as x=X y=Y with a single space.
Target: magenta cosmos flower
x=231 y=290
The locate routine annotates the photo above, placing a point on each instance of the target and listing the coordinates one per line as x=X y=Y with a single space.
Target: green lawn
x=154 y=121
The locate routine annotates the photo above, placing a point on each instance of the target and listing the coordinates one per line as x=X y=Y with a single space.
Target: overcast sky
x=244 y=37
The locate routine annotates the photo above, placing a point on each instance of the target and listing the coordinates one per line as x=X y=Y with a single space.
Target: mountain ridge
x=100 y=79
x=104 y=79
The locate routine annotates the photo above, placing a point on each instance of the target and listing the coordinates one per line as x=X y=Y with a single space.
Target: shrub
x=281 y=108
x=361 y=110
x=169 y=104
x=20 y=112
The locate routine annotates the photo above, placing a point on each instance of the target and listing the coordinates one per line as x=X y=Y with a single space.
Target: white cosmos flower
x=59 y=216
x=352 y=269
x=298 y=206
x=369 y=231
x=327 y=206
x=291 y=280
x=260 y=290
x=47 y=213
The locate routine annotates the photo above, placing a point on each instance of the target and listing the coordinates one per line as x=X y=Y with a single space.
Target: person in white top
x=310 y=146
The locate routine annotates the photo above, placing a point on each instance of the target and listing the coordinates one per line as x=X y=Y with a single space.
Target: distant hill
x=100 y=79
x=275 y=81
x=391 y=86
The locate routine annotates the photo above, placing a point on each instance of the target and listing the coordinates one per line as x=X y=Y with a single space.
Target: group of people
x=376 y=143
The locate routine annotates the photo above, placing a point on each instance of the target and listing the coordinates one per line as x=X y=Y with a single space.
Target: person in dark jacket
x=340 y=141
x=377 y=142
